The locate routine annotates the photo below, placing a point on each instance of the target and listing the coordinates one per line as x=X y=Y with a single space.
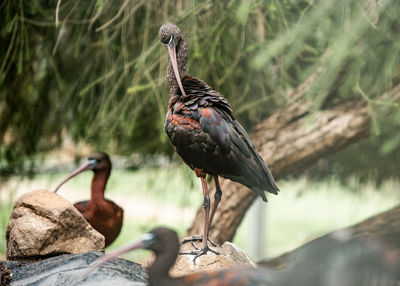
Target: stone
x=44 y=224
x=5 y=275
x=69 y=269
x=230 y=256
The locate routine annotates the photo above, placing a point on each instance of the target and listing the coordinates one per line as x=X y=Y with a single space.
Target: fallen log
x=383 y=229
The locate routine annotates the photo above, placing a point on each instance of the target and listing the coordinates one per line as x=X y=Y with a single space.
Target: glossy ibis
x=103 y=215
x=165 y=244
x=200 y=125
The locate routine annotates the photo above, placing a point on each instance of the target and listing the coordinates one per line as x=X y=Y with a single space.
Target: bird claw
x=197 y=238
x=199 y=252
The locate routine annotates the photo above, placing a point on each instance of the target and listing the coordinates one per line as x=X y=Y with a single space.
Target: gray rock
x=43 y=224
x=68 y=269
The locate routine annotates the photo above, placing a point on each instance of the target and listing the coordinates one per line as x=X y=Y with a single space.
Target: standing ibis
x=201 y=126
x=103 y=215
x=165 y=245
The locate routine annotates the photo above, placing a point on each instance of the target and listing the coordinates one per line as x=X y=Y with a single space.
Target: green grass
x=170 y=196
x=5 y=211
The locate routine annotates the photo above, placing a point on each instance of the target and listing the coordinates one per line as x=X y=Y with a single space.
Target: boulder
x=44 y=224
x=69 y=269
x=230 y=256
x=5 y=275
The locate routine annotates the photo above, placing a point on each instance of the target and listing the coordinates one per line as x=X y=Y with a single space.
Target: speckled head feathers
x=174 y=41
x=167 y=30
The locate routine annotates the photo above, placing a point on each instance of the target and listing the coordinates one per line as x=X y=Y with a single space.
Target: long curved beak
x=112 y=255
x=172 y=57
x=81 y=169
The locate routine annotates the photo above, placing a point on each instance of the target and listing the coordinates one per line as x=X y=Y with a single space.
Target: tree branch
x=383 y=228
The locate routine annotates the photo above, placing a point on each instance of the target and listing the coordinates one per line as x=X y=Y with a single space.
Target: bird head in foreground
x=158 y=240
x=172 y=38
x=97 y=162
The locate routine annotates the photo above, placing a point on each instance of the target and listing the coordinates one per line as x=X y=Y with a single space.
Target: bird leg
x=206 y=207
x=204 y=238
x=217 y=199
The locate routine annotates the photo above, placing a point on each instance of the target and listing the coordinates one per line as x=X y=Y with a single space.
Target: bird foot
x=196 y=238
x=199 y=252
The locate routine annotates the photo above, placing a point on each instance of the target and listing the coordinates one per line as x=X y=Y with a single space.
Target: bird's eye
x=171 y=40
x=148 y=239
x=93 y=161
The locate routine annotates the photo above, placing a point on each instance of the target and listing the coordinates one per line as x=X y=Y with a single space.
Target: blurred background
x=79 y=76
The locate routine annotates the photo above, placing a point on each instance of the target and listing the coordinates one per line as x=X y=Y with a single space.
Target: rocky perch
x=229 y=256
x=68 y=269
x=43 y=224
x=50 y=243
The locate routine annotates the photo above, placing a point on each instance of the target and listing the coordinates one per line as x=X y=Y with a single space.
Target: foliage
x=95 y=70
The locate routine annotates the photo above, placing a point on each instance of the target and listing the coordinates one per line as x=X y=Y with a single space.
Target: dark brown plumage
x=103 y=215
x=201 y=126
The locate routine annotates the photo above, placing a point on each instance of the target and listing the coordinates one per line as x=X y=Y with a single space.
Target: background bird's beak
x=172 y=58
x=81 y=169
x=112 y=255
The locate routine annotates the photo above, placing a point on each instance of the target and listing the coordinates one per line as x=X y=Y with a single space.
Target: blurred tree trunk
x=289 y=141
x=383 y=228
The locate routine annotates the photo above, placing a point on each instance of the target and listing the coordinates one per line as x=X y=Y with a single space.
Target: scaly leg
x=206 y=206
x=217 y=199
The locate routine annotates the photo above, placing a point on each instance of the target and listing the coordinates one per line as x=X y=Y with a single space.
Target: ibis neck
x=181 y=58
x=159 y=270
x=99 y=182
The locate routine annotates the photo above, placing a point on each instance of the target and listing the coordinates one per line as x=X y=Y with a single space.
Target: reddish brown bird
x=165 y=244
x=206 y=135
x=103 y=215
